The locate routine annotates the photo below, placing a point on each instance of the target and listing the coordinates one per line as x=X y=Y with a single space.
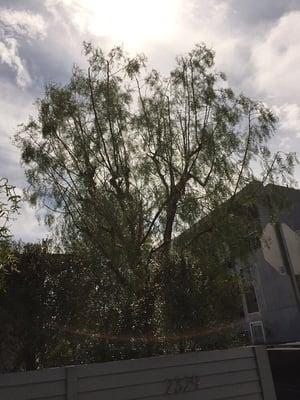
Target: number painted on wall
x=183 y=385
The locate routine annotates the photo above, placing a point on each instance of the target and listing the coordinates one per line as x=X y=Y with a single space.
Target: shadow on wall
x=285 y=366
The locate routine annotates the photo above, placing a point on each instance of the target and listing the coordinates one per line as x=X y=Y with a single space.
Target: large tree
x=124 y=159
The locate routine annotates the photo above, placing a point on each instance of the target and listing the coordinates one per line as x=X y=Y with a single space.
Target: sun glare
x=132 y=22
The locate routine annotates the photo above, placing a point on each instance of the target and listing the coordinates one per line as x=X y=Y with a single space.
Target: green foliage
x=9 y=205
x=8 y=261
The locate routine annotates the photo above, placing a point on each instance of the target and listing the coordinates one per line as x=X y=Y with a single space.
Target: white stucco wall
x=292 y=240
x=270 y=248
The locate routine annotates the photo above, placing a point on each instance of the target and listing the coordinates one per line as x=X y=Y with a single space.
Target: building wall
x=275 y=266
x=278 y=305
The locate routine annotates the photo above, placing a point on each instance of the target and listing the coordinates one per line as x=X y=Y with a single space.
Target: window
x=251 y=300
x=257 y=332
x=249 y=290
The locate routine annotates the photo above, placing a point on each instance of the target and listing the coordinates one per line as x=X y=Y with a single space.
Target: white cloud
x=9 y=54
x=14 y=27
x=289 y=118
x=15 y=106
x=276 y=60
x=23 y=23
x=26 y=226
x=275 y=78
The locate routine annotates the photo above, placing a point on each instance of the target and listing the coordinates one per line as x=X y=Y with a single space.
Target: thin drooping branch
x=98 y=126
x=245 y=155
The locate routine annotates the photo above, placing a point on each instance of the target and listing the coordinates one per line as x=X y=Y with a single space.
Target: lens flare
x=131 y=22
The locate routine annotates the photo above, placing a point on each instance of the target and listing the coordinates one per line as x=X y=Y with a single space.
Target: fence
x=239 y=374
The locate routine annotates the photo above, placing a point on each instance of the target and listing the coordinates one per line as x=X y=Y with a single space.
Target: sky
x=257 y=45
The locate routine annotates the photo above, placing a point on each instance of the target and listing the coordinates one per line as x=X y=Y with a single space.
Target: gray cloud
x=247 y=15
x=32 y=5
